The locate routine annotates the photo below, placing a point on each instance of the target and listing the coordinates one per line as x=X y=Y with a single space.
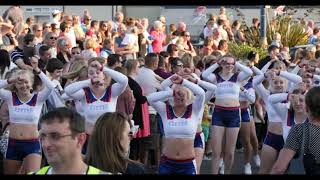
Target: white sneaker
x=241 y=150
x=256 y=159
x=221 y=169
x=221 y=163
x=247 y=169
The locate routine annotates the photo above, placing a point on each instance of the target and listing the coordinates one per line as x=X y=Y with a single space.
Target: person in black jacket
x=139 y=145
x=273 y=51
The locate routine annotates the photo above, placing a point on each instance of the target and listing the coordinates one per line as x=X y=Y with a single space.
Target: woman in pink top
x=159 y=38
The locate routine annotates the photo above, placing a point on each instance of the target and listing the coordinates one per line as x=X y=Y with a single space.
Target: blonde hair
x=90 y=43
x=101 y=60
x=75 y=70
x=22 y=72
x=191 y=97
x=281 y=64
x=131 y=65
x=271 y=88
x=296 y=55
x=187 y=60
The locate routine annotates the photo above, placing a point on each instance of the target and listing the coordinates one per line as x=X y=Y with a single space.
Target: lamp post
x=263 y=24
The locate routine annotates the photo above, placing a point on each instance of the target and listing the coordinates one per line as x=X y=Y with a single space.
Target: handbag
x=311 y=166
x=296 y=165
x=4 y=140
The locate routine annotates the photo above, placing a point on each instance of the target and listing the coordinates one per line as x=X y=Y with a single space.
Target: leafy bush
x=241 y=51
x=292 y=33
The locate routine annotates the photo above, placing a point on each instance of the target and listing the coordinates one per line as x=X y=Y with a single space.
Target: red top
x=159 y=40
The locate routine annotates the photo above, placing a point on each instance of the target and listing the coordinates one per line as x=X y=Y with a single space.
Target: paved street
x=236 y=169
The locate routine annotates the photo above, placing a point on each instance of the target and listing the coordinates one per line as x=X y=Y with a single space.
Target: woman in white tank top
x=273 y=142
x=23 y=153
x=226 y=117
x=180 y=122
x=96 y=94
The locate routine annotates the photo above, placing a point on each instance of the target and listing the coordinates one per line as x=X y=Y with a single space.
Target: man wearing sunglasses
x=62 y=135
x=50 y=39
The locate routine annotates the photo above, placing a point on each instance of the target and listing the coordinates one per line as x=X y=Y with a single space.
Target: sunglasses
x=75 y=53
x=187 y=35
x=55 y=38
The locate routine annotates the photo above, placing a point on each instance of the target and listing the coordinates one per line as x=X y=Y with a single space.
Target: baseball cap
x=56 y=11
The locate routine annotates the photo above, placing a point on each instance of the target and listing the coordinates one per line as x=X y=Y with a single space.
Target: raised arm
x=278 y=98
x=256 y=70
x=166 y=83
x=198 y=91
x=276 y=101
x=75 y=91
x=211 y=88
x=121 y=81
x=208 y=86
x=65 y=97
x=208 y=73
x=156 y=100
x=316 y=77
x=245 y=71
x=261 y=90
x=250 y=95
x=46 y=91
x=291 y=77
x=266 y=67
x=296 y=69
